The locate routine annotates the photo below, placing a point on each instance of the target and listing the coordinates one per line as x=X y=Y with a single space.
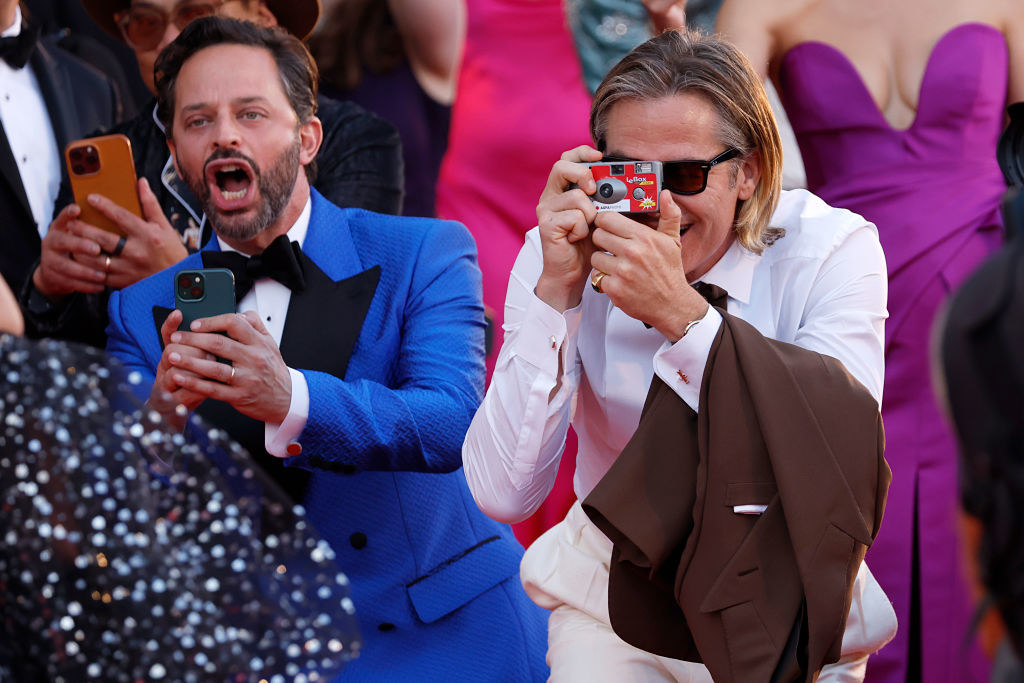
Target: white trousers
x=566 y=571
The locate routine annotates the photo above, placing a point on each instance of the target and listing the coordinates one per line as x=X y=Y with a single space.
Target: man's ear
x=311 y=134
x=266 y=17
x=174 y=156
x=749 y=174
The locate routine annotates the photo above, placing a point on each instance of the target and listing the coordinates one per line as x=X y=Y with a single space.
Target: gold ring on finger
x=595 y=281
x=106 y=264
x=231 y=377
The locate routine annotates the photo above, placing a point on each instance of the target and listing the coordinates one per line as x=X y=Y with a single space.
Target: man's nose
x=226 y=132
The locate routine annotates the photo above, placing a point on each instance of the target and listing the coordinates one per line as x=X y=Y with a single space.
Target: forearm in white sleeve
x=514 y=444
x=870 y=625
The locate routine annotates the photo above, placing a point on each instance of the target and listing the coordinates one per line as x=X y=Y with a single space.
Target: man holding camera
x=356 y=359
x=360 y=165
x=721 y=528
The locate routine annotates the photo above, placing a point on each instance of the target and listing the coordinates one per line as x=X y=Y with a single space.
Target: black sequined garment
x=128 y=553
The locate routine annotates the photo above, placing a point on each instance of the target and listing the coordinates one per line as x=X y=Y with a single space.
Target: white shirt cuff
x=277 y=437
x=542 y=335
x=681 y=365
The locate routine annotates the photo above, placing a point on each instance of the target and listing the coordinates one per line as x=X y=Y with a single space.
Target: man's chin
x=239 y=224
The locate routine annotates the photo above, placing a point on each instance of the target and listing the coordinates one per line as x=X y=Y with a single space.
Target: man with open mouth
x=351 y=368
x=359 y=166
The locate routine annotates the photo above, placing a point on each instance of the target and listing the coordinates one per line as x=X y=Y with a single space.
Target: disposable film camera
x=626 y=186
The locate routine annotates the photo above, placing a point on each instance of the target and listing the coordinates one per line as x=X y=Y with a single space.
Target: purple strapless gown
x=934 y=192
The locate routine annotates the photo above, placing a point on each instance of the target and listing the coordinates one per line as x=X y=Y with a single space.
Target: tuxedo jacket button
x=358 y=540
x=294 y=448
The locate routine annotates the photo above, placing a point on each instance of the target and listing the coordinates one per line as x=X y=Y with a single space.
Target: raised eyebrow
x=198 y=106
x=255 y=99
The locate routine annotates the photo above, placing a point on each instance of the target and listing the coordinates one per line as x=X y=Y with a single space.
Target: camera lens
x=79 y=169
x=606 y=190
x=618 y=169
x=76 y=153
x=196 y=292
x=183 y=282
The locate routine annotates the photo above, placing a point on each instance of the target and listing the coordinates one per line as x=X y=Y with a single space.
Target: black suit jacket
x=79 y=100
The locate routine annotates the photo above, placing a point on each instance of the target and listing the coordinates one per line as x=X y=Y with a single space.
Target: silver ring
x=595 y=281
x=232 y=377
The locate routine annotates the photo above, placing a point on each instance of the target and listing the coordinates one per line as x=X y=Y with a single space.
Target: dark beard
x=275 y=188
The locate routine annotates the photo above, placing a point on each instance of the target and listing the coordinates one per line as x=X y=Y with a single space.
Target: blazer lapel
x=53 y=83
x=11 y=174
x=325 y=320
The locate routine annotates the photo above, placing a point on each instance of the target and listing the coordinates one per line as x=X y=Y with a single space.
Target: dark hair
x=358 y=34
x=684 y=61
x=982 y=359
x=298 y=71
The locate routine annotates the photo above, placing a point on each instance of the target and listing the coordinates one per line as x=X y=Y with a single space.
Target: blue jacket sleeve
x=416 y=417
x=123 y=344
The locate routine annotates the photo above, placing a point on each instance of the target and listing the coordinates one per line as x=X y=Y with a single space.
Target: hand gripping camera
x=626 y=186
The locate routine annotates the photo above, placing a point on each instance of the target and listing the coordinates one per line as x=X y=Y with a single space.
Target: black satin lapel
x=160 y=314
x=324 y=320
x=10 y=173
x=54 y=86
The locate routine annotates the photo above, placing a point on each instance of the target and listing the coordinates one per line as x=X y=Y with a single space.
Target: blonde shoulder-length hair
x=685 y=61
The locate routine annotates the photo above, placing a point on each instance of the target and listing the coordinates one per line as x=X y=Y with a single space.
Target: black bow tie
x=280 y=261
x=15 y=50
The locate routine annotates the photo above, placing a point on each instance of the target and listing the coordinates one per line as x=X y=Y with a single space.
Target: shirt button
x=358 y=540
x=686 y=380
x=294 y=448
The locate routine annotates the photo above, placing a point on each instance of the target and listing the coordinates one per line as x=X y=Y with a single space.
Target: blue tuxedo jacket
x=389 y=337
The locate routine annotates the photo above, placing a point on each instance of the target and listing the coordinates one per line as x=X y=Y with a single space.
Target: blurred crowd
x=460 y=109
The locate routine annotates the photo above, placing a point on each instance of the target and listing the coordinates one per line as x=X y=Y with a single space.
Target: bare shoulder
x=753 y=15
x=754 y=26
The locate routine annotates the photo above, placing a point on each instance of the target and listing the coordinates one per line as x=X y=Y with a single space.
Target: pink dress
x=934 y=192
x=521 y=102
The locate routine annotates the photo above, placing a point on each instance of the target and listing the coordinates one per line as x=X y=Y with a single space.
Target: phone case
x=103 y=165
x=217 y=296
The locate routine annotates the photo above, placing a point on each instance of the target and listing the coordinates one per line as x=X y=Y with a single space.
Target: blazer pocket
x=750 y=497
x=463 y=577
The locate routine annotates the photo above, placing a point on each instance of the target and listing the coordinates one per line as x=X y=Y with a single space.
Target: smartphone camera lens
x=76 y=154
x=79 y=169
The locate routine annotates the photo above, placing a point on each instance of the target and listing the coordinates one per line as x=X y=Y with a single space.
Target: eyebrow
x=241 y=101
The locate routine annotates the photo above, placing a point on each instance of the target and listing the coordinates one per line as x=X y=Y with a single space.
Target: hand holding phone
x=103 y=165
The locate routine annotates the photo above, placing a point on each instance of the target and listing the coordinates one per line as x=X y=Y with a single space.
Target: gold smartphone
x=103 y=165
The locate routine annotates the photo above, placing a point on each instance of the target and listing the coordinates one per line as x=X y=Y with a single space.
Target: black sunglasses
x=690 y=176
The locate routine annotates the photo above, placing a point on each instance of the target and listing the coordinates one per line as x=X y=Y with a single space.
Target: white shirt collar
x=734 y=272
x=296 y=233
x=15 y=28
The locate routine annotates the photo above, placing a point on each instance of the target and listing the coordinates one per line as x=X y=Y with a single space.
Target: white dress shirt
x=26 y=123
x=822 y=286
x=270 y=299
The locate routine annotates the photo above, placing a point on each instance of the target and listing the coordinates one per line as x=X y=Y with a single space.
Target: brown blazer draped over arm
x=754 y=597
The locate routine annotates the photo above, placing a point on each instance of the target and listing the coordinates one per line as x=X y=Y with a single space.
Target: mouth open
x=231 y=183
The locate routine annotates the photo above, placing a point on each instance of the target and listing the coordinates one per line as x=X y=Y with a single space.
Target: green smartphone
x=203 y=293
